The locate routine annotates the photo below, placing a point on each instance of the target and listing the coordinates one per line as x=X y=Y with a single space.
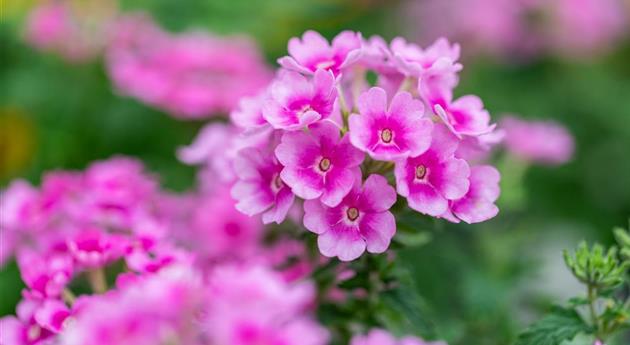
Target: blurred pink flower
x=382 y=337
x=543 y=142
x=361 y=221
x=522 y=28
x=189 y=75
x=57 y=26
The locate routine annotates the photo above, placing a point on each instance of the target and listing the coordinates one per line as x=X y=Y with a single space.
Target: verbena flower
x=295 y=102
x=313 y=52
x=318 y=163
x=543 y=142
x=390 y=133
x=361 y=221
x=431 y=179
x=478 y=204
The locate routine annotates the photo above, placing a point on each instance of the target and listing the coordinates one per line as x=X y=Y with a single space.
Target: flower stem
x=68 y=296
x=97 y=280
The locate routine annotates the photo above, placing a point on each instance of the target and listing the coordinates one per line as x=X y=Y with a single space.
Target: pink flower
x=478 y=203
x=253 y=305
x=51 y=315
x=390 y=134
x=314 y=52
x=430 y=180
x=542 y=142
x=46 y=275
x=93 y=248
x=260 y=188
x=382 y=337
x=296 y=102
x=219 y=231
x=412 y=60
x=54 y=27
x=190 y=75
x=465 y=116
x=248 y=115
x=156 y=309
x=318 y=164
x=361 y=221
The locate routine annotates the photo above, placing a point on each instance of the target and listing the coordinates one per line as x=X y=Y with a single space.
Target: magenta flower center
x=324 y=164
x=421 y=172
x=387 y=135
x=304 y=109
x=352 y=213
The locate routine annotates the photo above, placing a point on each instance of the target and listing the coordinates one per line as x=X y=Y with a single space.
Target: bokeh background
x=481 y=283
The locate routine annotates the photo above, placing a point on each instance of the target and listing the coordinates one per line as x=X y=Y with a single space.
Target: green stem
x=592 y=297
x=96 y=277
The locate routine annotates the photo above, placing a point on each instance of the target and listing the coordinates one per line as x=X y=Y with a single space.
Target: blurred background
x=561 y=60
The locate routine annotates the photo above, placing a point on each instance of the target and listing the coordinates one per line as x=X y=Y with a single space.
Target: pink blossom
x=295 y=102
x=154 y=310
x=390 y=133
x=313 y=52
x=93 y=248
x=248 y=114
x=189 y=75
x=52 y=314
x=25 y=329
x=478 y=203
x=260 y=188
x=361 y=221
x=45 y=274
x=543 y=142
x=54 y=26
x=382 y=337
x=465 y=116
x=319 y=164
x=412 y=60
x=430 y=180
x=219 y=231
x=252 y=305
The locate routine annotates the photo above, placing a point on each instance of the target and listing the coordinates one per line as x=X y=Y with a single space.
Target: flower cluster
x=323 y=133
x=525 y=27
x=193 y=267
x=188 y=75
x=76 y=31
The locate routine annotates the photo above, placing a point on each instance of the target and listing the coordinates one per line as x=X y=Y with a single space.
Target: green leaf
x=559 y=325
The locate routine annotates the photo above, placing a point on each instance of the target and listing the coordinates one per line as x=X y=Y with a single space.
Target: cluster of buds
x=326 y=133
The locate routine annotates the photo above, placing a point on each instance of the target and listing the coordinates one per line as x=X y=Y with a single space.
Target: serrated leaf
x=559 y=325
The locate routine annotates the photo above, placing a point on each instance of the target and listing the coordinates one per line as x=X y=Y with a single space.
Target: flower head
x=429 y=180
x=465 y=116
x=259 y=188
x=361 y=221
x=390 y=133
x=295 y=102
x=314 y=52
x=319 y=164
x=538 y=141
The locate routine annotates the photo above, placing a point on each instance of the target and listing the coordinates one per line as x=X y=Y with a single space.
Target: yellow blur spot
x=17 y=141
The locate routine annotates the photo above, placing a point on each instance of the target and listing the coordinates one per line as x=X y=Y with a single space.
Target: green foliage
x=559 y=325
x=596 y=267
x=606 y=306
